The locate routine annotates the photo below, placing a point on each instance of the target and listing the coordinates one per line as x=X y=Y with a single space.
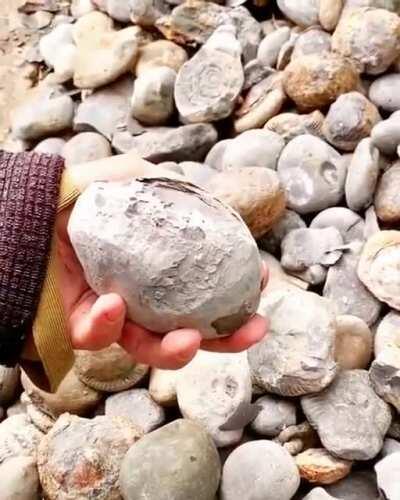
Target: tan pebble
x=371 y=37
x=314 y=81
x=162 y=386
x=379 y=267
x=316 y=465
x=290 y=125
x=111 y=369
x=81 y=458
x=262 y=102
x=297 y=438
x=253 y=192
x=160 y=53
x=387 y=196
x=354 y=343
x=329 y=13
x=72 y=396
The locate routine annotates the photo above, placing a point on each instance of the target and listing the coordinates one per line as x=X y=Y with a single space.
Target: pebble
x=106 y=109
x=188 y=142
x=197 y=173
x=316 y=465
x=302 y=248
x=45 y=111
x=162 y=386
x=84 y=147
x=292 y=364
x=263 y=101
x=153 y=96
x=120 y=11
x=147 y=12
x=348 y=294
x=351 y=420
x=81 y=458
x=59 y=51
x=110 y=370
x=360 y=484
x=255 y=193
x=386 y=135
x=354 y=343
x=274 y=416
x=214 y=158
x=387 y=474
x=259 y=470
x=9 y=384
x=382 y=92
x=160 y=53
x=19 y=479
x=312 y=174
x=387 y=199
x=278 y=279
x=313 y=41
x=208 y=85
x=224 y=305
x=18 y=437
x=51 y=146
x=304 y=14
x=349 y=120
x=318 y=494
x=191 y=468
x=289 y=221
x=317 y=80
x=350 y=225
x=210 y=390
x=254 y=72
x=72 y=396
x=369 y=36
x=291 y=125
x=270 y=46
x=390 y=446
x=81 y=7
x=103 y=53
x=362 y=176
x=137 y=406
x=379 y=266
x=298 y=438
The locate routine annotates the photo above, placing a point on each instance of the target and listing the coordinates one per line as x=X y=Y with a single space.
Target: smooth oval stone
x=312 y=41
x=274 y=416
x=260 y=470
x=211 y=388
x=9 y=384
x=51 y=146
x=290 y=220
x=360 y=484
x=387 y=474
x=110 y=370
x=208 y=85
x=297 y=355
x=153 y=96
x=112 y=225
x=354 y=343
x=350 y=118
x=386 y=135
x=160 y=53
x=329 y=13
x=383 y=92
x=302 y=248
x=138 y=406
x=59 y=51
x=371 y=37
x=290 y=125
x=317 y=80
x=390 y=446
x=254 y=72
x=387 y=196
x=268 y=50
x=318 y=494
x=253 y=148
x=350 y=225
x=347 y=292
x=316 y=465
x=45 y=111
x=19 y=479
x=162 y=386
x=81 y=458
x=81 y=7
x=387 y=333
x=18 y=437
x=215 y=156
x=302 y=13
x=379 y=267
x=312 y=174
x=278 y=279
x=87 y=146
x=351 y=420
x=255 y=193
x=180 y=456
x=362 y=176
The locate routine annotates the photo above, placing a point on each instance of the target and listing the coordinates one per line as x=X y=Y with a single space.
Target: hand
x=97 y=322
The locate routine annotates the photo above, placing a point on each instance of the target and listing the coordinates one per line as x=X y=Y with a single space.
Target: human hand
x=97 y=322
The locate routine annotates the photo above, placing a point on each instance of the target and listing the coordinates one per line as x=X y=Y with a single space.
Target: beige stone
x=316 y=465
x=162 y=386
x=354 y=343
x=160 y=53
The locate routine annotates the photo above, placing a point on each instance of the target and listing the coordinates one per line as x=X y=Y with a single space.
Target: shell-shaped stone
x=350 y=418
x=354 y=343
x=316 y=465
x=290 y=125
x=387 y=199
x=200 y=244
x=297 y=357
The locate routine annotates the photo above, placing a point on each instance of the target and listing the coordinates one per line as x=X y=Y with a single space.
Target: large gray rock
x=359 y=485
x=178 y=461
x=297 y=355
x=275 y=415
x=387 y=473
x=191 y=277
x=259 y=470
x=186 y=143
x=351 y=420
x=312 y=174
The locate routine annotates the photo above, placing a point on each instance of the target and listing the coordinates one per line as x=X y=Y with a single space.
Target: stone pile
x=289 y=112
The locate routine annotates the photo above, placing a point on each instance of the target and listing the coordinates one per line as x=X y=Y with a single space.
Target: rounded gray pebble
x=312 y=41
x=386 y=135
x=268 y=50
x=350 y=225
x=51 y=146
x=85 y=147
x=384 y=92
x=290 y=220
x=359 y=485
x=275 y=415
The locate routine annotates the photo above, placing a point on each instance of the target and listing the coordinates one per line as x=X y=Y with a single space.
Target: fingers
x=170 y=352
x=97 y=322
x=248 y=335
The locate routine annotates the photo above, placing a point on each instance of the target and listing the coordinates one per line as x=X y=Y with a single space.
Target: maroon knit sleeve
x=29 y=186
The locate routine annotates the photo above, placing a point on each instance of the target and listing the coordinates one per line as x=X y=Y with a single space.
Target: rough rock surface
x=316 y=465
